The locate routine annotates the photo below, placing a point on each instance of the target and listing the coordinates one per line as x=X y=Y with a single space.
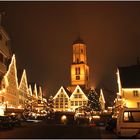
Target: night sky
x=42 y=34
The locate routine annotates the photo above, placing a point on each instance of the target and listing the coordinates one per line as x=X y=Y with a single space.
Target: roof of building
x=130 y=76
x=79 y=40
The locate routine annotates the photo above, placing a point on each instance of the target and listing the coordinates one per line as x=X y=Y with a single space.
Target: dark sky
x=42 y=34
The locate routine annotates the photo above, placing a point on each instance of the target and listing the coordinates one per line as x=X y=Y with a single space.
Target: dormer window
x=78 y=91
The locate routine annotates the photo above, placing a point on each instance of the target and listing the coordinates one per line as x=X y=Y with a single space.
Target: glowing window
x=79 y=70
x=72 y=103
x=75 y=96
x=135 y=93
x=80 y=103
x=61 y=106
x=66 y=100
x=76 y=103
x=84 y=103
x=61 y=99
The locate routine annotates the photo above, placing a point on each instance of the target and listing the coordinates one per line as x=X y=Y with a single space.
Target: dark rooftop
x=130 y=76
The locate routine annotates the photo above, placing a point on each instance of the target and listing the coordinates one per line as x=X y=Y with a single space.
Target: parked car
x=5 y=122
x=128 y=123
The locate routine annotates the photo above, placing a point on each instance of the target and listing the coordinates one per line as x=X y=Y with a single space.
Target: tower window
x=78 y=70
x=81 y=50
x=77 y=77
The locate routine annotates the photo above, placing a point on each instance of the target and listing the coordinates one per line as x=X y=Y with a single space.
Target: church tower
x=79 y=67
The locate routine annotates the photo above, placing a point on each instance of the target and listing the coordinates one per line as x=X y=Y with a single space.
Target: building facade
x=128 y=87
x=10 y=86
x=78 y=98
x=64 y=100
x=61 y=100
x=23 y=89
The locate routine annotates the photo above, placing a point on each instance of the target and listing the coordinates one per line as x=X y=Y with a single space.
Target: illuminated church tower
x=79 y=67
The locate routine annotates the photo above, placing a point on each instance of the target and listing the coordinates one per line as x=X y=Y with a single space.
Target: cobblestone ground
x=42 y=130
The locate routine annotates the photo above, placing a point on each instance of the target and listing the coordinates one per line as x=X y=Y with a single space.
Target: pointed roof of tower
x=79 y=40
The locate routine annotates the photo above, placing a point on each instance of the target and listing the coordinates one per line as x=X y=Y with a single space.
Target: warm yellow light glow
x=118 y=81
x=64 y=119
x=19 y=107
x=130 y=89
x=13 y=62
x=1 y=112
x=12 y=113
x=64 y=92
x=96 y=117
x=102 y=96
